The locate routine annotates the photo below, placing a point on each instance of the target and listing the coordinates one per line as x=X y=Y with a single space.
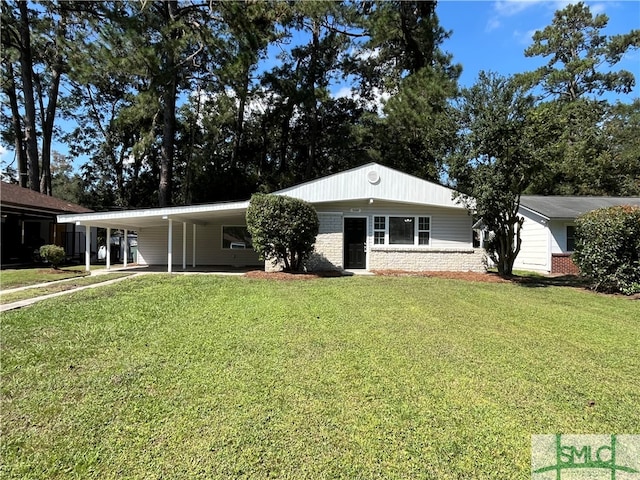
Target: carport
x=175 y=223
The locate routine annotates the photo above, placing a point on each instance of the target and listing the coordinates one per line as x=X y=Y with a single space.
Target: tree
x=580 y=155
x=283 y=229
x=577 y=52
x=495 y=160
x=405 y=59
x=34 y=43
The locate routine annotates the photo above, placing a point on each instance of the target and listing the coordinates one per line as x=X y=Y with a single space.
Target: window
x=424 y=224
x=571 y=238
x=379 y=228
x=401 y=230
x=236 y=237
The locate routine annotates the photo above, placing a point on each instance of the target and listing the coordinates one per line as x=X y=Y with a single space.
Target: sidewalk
x=31 y=301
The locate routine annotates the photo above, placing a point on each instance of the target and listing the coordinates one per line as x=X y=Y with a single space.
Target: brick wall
x=562 y=263
x=425 y=260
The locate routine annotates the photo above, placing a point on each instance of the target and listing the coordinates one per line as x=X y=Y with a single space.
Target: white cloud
x=493 y=24
x=508 y=8
x=379 y=98
x=525 y=38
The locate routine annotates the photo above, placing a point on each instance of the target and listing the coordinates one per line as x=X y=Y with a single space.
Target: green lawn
x=21 y=277
x=72 y=283
x=359 y=377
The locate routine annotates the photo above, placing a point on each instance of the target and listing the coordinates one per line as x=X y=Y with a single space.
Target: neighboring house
x=548 y=231
x=371 y=218
x=29 y=221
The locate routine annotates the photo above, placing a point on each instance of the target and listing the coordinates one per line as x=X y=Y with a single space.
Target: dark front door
x=355 y=237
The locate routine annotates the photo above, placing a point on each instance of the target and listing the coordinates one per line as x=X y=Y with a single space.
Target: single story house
x=371 y=218
x=548 y=231
x=29 y=221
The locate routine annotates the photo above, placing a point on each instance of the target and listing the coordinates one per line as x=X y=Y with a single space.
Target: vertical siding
x=534 y=254
x=152 y=246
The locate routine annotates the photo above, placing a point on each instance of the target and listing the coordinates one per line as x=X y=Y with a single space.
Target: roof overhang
x=153 y=217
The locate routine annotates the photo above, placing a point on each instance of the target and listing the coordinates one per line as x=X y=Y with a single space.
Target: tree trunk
x=30 y=139
x=17 y=128
x=170 y=89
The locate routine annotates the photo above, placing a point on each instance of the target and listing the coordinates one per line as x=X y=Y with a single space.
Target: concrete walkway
x=135 y=271
x=30 y=301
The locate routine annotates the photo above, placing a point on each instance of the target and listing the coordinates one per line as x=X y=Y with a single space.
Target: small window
x=401 y=230
x=571 y=238
x=379 y=227
x=424 y=227
x=236 y=237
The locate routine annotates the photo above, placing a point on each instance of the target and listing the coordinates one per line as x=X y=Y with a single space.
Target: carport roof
x=150 y=217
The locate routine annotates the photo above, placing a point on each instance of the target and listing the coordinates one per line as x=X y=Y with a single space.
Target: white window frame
x=416 y=231
x=222 y=227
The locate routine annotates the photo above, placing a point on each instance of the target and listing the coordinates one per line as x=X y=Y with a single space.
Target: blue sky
x=492 y=35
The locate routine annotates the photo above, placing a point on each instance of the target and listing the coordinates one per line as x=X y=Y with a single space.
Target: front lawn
x=21 y=277
x=360 y=377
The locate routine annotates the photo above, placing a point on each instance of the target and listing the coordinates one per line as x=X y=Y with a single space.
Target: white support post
x=170 y=247
x=87 y=248
x=126 y=248
x=108 y=248
x=193 y=259
x=184 y=246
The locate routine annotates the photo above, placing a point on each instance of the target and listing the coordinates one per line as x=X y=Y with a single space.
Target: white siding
x=534 y=254
x=152 y=246
x=559 y=235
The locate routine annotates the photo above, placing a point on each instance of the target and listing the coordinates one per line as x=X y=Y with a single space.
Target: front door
x=355 y=238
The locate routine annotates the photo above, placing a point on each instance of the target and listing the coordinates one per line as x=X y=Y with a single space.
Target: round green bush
x=53 y=254
x=283 y=229
x=608 y=248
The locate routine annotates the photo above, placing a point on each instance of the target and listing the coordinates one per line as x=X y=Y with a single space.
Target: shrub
x=53 y=254
x=283 y=229
x=608 y=247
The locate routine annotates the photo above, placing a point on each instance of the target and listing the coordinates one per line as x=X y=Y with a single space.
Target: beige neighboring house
x=548 y=231
x=371 y=218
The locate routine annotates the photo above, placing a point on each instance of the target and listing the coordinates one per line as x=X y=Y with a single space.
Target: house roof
x=18 y=198
x=571 y=207
x=368 y=182
x=373 y=182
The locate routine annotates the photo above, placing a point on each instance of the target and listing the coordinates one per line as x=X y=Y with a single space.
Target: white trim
x=184 y=245
x=108 y=259
x=126 y=248
x=87 y=248
x=193 y=258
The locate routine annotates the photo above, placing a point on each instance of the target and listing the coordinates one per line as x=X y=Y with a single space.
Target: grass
x=11 y=297
x=213 y=377
x=22 y=277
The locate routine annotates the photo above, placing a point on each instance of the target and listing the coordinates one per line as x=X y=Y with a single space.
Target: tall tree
x=36 y=36
x=577 y=51
x=495 y=160
x=577 y=155
x=405 y=59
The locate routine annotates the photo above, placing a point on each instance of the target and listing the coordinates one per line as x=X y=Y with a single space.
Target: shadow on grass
x=536 y=281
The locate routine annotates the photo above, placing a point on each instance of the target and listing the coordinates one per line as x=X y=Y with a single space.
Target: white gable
x=375 y=182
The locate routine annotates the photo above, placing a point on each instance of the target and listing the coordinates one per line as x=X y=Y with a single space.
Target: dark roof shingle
x=571 y=207
x=17 y=197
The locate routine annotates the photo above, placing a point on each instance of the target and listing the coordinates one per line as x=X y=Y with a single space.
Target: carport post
x=126 y=248
x=170 y=246
x=87 y=248
x=193 y=259
x=108 y=248
x=184 y=246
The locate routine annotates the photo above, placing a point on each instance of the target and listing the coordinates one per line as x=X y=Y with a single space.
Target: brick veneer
x=562 y=263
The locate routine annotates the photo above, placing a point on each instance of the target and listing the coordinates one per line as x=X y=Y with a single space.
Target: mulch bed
x=468 y=276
